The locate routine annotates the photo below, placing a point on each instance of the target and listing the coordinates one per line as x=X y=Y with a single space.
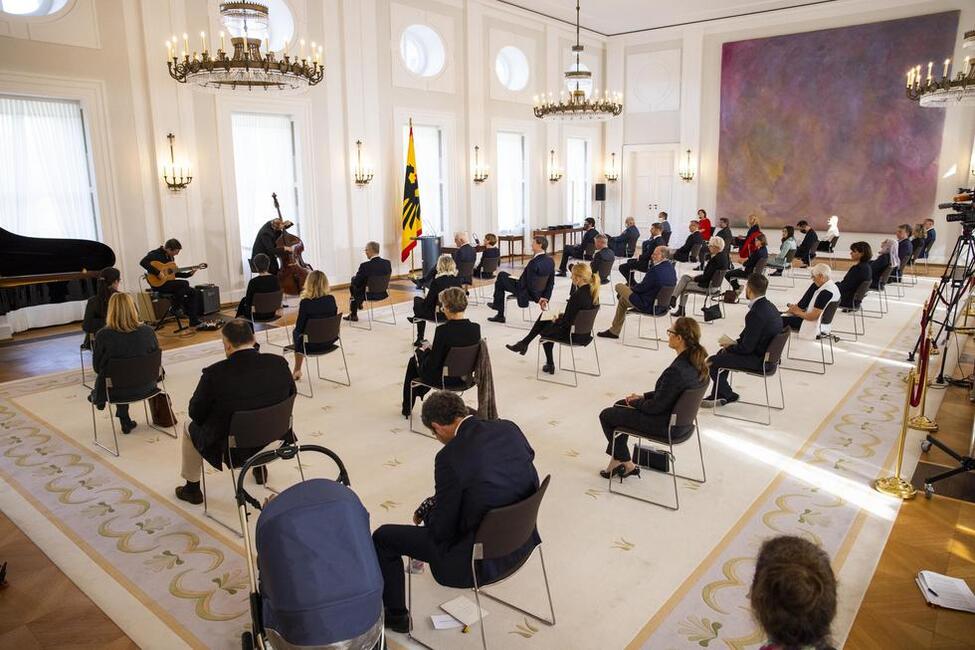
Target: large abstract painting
x=818 y=123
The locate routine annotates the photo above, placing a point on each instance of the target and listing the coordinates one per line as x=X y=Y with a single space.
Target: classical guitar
x=168 y=271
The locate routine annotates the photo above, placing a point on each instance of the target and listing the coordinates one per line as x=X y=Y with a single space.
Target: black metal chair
x=788 y=273
x=605 y=269
x=760 y=266
x=527 y=318
x=711 y=294
x=376 y=285
x=85 y=347
x=684 y=417
x=123 y=375
x=631 y=242
x=662 y=303
x=581 y=328
x=881 y=291
x=266 y=309
x=324 y=329
x=825 y=340
x=858 y=297
x=466 y=270
x=501 y=532
x=254 y=429
x=770 y=367
x=460 y=364
x=828 y=246
x=489 y=266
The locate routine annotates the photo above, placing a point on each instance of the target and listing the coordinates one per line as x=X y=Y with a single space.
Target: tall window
x=46 y=187
x=265 y=162
x=577 y=171
x=431 y=170
x=512 y=182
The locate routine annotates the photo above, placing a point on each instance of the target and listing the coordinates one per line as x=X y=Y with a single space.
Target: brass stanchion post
x=894 y=485
x=922 y=422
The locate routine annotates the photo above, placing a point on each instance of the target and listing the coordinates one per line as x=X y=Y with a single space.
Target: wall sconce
x=611 y=174
x=554 y=173
x=480 y=173
x=177 y=177
x=361 y=175
x=686 y=169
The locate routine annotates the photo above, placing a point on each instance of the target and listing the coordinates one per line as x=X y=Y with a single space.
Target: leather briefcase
x=162 y=411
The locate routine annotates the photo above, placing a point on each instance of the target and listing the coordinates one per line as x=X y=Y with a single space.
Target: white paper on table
x=952 y=593
x=445 y=622
x=463 y=609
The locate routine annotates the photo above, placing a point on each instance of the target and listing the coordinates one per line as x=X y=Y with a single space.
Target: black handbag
x=651 y=458
x=712 y=312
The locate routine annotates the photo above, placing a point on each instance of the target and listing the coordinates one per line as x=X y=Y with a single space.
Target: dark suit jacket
x=855 y=276
x=904 y=249
x=808 y=246
x=760 y=254
x=762 y=324
x=560 y=327
x=375 y=266
x=607 y=256
x=265 y=242
x=245 y=381
x=540 y=266
x=727 y=236
x=649 y=245
x=645 y=293
x=589 y=238
x=309 y=308
x=630 y=235
x=158 y=255
x=929 y=237
x=719 y=262
x=428 y=307
x=465 y=253
x=487 y=465
x=658 y=404
x=453 y=333
x=683 y=254
x=113 y=344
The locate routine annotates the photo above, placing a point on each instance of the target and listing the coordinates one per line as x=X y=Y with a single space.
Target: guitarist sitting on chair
x=159 y=265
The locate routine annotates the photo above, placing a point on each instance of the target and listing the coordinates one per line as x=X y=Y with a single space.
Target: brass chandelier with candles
x=246 y=67
x=930 y=91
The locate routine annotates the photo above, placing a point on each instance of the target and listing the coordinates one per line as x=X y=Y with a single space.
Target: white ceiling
x=618 y=16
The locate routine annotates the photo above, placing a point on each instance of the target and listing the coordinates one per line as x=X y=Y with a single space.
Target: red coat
x=704 y=225
x=750 y=245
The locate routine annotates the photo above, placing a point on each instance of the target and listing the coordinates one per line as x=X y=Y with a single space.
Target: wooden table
x=553 y=232
x=511 y=239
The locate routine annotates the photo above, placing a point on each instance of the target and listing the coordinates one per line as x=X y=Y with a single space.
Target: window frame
x=571 y=182
x=525 y=179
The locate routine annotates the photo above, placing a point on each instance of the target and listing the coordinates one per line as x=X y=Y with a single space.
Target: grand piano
x=40 y=271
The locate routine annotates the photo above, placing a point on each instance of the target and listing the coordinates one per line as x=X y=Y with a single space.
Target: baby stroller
x=320 y=586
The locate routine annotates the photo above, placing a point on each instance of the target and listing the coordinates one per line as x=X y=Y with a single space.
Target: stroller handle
x=285 y=452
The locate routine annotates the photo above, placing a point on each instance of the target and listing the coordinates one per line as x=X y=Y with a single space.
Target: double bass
x=289 y=248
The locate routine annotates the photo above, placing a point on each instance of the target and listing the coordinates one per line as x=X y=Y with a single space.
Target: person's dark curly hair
x=793 y=594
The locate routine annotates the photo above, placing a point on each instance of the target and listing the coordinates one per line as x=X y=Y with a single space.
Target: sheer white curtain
x=46 y=188
x=577 y=170
x=264 y=163
x=430 y=170
x=512 y=186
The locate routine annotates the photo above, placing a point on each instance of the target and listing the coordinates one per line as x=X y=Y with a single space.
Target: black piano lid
x=20 y=255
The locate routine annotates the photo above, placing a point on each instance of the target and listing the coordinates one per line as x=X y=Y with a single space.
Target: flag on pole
x=412 y=224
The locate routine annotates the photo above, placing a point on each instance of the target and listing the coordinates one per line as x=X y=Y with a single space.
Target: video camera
x=963 y=206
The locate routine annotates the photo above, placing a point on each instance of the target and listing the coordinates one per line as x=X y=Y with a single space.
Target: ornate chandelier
x=246 y=68
x=578 y=105
x=928 y=91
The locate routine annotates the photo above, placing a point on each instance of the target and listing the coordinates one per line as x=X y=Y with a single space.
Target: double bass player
x=266 y=242
x=284 y=251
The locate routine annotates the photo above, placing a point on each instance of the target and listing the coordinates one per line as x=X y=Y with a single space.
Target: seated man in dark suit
x=180 y=289
x=930 y=236
x=808 y=245
x=589 y=233
x=624 y=244
x=762 y=324
x=263 y=282
x=491 y=251
x=373 y=266
x=464 y=253
x=760 y=253
x=603 y=257
x=643 y=296
x=724 y=232
x=483 y=465
x=904 y=250
x=540 y=266
x=244 y=381
x=643 y=262
x=691 y=244
x=701 y=283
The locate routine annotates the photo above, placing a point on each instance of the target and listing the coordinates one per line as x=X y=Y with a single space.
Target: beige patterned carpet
x=622 y=572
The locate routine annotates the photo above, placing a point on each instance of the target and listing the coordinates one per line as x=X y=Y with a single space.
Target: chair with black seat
x=459 y=366
x=881 y=291
x=694 y=256
x=255 y=429
x=760 y=266
x=266 y=309
x=828 y=246
x=527 y=318
x=466 y=270
x=377 y=285
x=631 y=242
x=711 y=295
x=324 y=329
x=906 y=279
x=788 y=273
x=859 y=329
x=124 y=375
x=85 y=347
x=825 y=340
x=604 y=268
x=501 y=532
x=580 y=336
x=489 y=266
x=661 y=303
x=770 y=368
x=683 y=426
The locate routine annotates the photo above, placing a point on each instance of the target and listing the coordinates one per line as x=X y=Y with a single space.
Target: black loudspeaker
x=209 y=297
x=600 y=191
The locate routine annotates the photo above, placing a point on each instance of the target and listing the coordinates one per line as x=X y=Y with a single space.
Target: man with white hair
x=810 y=307
x=718 y=261
x=624 y=244
x=464 y=253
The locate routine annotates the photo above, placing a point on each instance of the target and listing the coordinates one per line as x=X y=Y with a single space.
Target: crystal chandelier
x=578 y=106
x=246 y=68
x=928 y=91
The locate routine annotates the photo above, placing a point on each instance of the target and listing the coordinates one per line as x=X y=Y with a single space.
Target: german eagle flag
x=412 y=224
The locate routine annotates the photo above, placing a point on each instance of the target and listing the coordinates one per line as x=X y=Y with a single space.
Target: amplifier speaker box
x=600 y=191
x=209 y=297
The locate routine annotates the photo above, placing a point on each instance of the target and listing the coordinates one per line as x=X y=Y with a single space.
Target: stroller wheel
x=247 y=641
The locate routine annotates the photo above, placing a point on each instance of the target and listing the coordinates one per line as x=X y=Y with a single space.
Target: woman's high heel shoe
x=616 y=471
x=633 y=472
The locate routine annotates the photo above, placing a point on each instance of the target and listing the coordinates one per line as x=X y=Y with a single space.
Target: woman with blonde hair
x=316 y=302
x=650 y=412
x=123 y=337
x=583 y=295
x=425 y=308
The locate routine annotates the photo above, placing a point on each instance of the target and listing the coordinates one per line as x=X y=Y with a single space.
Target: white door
x=651 y=186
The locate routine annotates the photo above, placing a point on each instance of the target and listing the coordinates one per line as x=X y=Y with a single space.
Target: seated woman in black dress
x=491 y=250
x=123 y=337
x=427 y=362
x=425 y=308
x=886 y=258
x=263 y=282
x=650 y=412
x=584 y=295
x=96 y=308
x=860 y=254
x=316 y=302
